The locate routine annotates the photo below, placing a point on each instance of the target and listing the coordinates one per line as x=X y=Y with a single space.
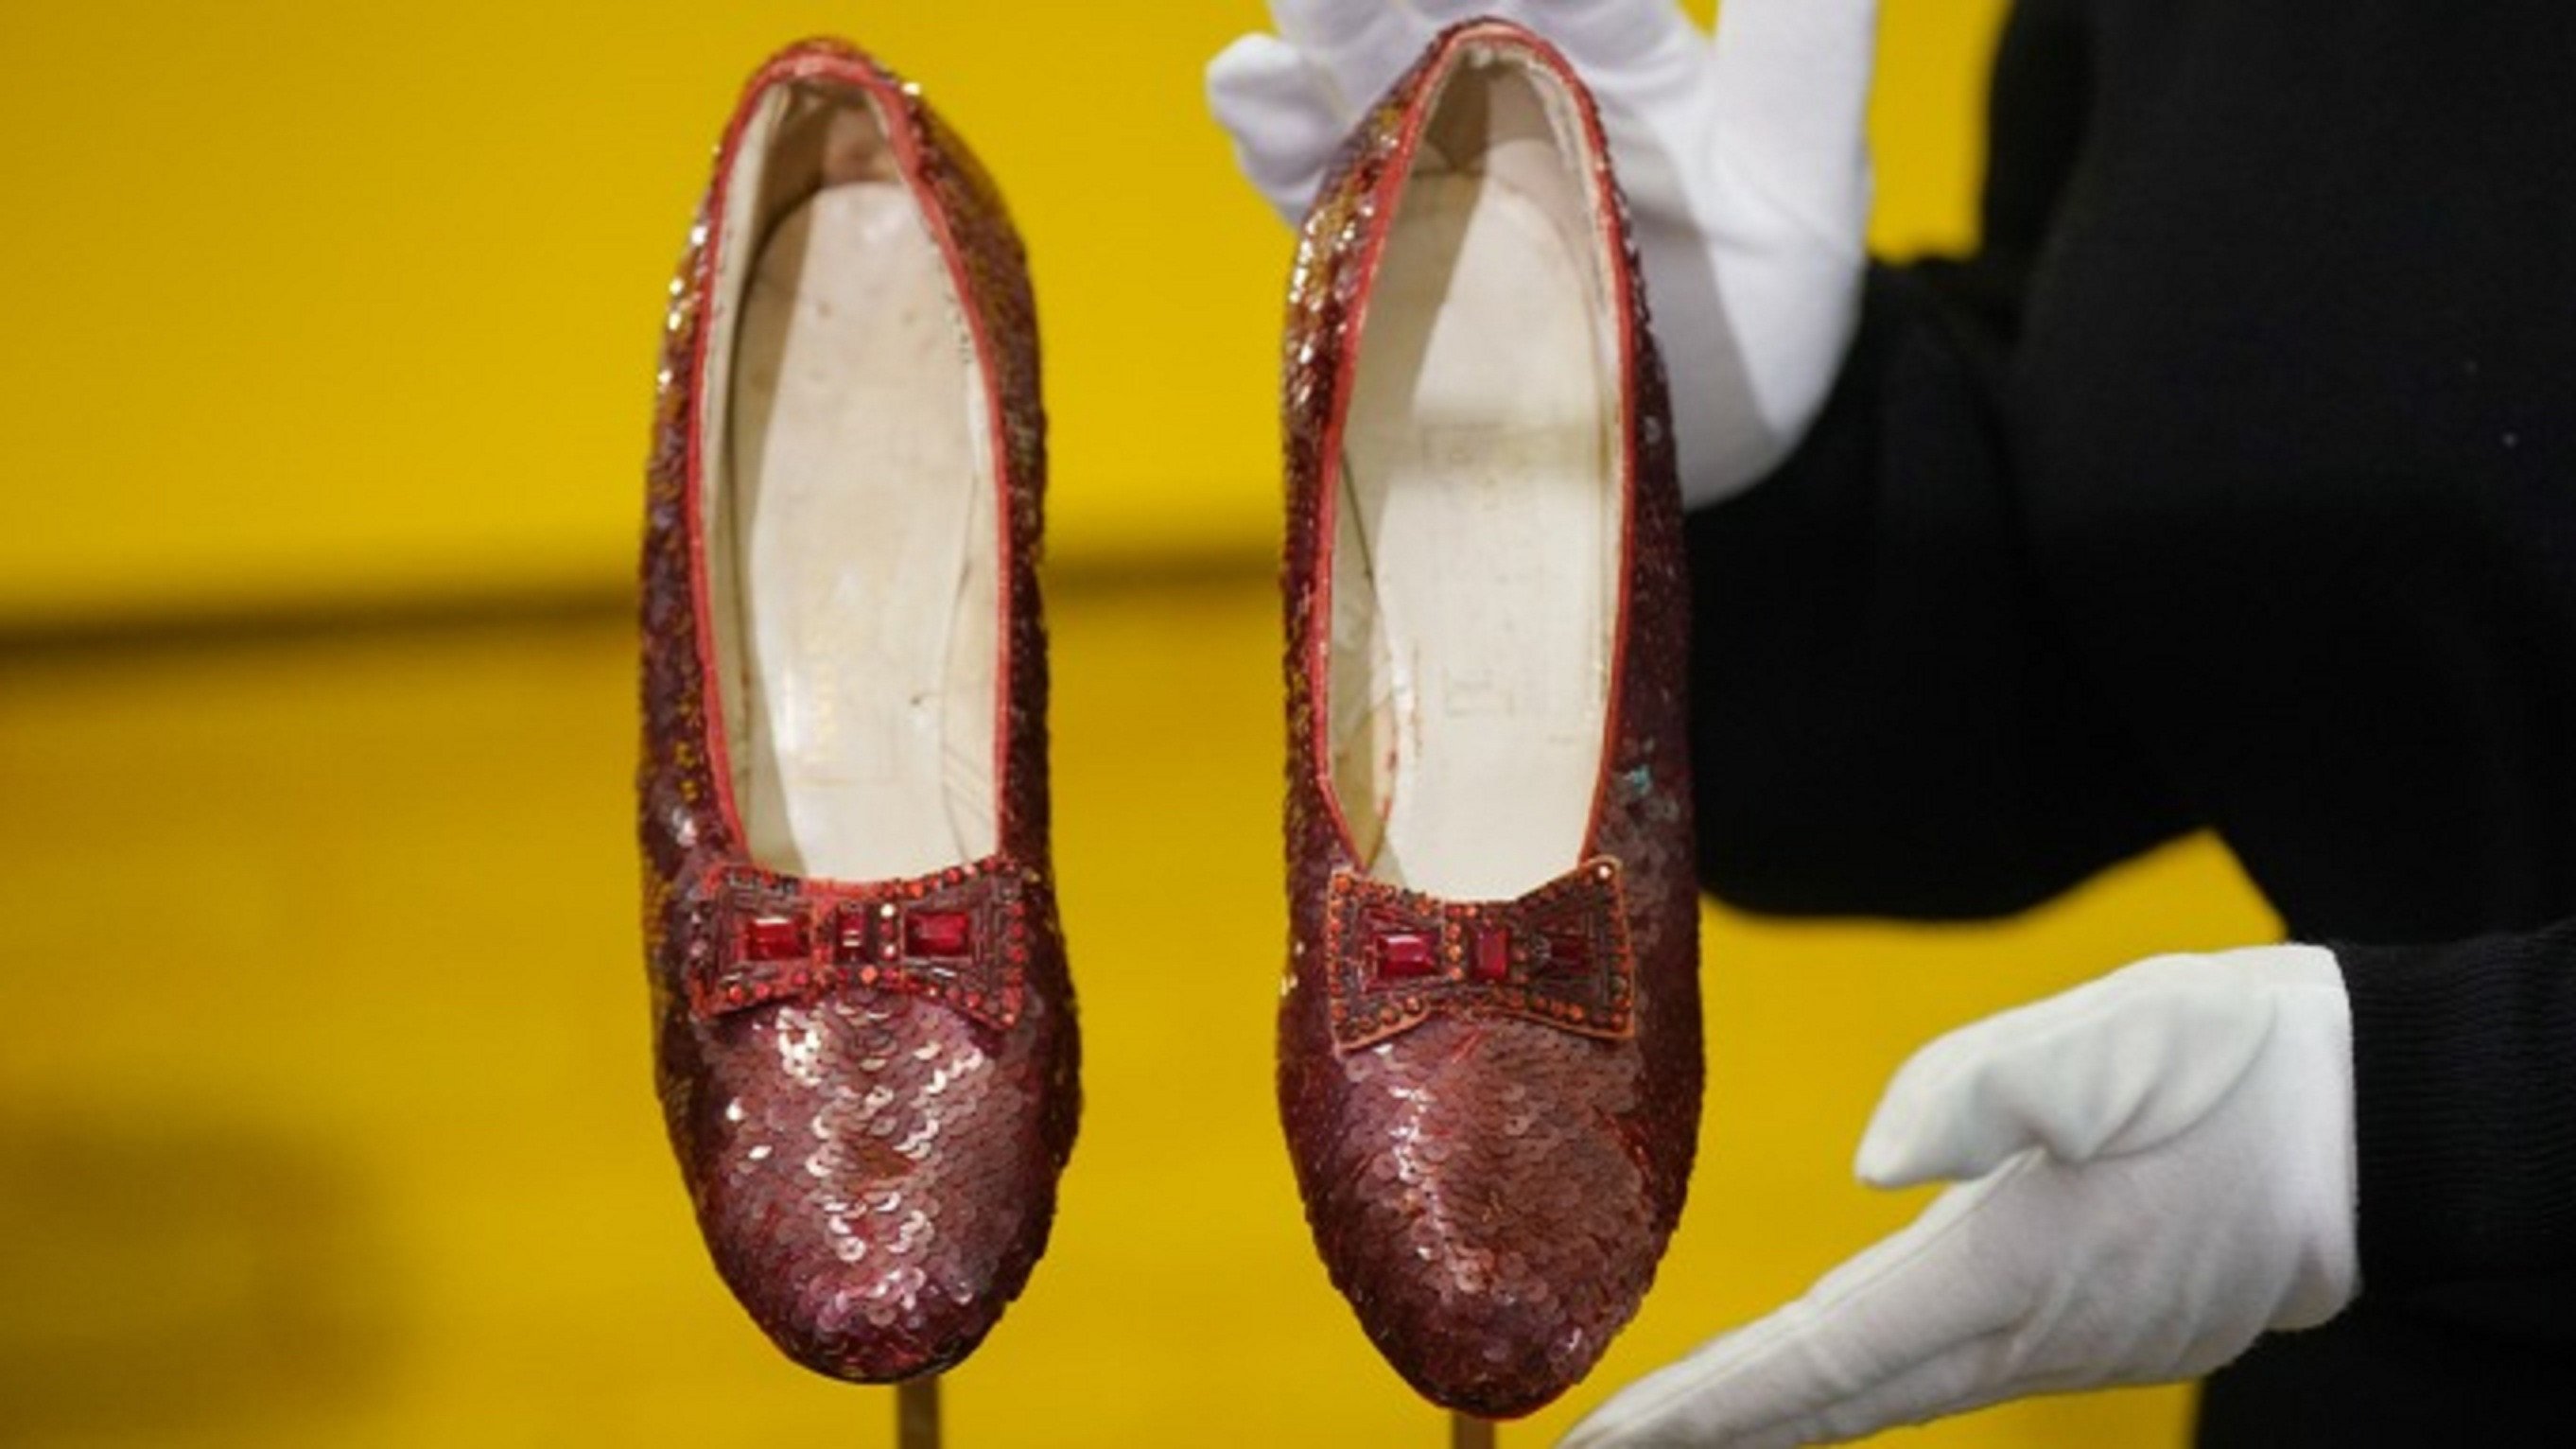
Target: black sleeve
x=2464 y=1089
x=1885 y=722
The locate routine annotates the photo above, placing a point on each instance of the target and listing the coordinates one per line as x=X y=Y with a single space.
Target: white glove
x=2163 y=1170
x=1744 y=160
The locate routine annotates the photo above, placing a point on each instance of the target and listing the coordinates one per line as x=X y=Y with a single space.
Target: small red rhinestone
x=1403 y=955
x=938 y=934
x=850 y=933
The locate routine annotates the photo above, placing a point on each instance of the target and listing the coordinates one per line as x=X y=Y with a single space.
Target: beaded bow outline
x=958 y=936
x=1558 y=956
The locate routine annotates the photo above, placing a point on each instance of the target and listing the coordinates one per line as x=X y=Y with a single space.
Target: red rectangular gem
x=1406 y=954
x=1568 y=954
x=938 y=934
x=774 y=938
x=1492 y=960
x=850 y=934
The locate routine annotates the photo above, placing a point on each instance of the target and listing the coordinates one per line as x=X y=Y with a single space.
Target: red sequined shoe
x=865 y=1035
x=1490 y=1040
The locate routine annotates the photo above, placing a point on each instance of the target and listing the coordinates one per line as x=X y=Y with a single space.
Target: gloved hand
x=1744 y=160
x=2154 y=1169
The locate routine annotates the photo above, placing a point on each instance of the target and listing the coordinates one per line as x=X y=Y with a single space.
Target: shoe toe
x=876 y=1181
x=1484 y=1207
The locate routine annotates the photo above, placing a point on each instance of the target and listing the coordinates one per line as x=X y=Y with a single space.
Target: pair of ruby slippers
x=1489 y=1038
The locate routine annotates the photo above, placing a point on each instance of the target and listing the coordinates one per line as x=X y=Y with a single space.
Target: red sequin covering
x=871 y=1140
x=1492 y=1159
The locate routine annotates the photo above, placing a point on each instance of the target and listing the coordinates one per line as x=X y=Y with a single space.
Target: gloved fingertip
x=1322 y=24
x=1933 y=1123
x=1892 y=1147
x=1268 y=98
x=1255 y=70
x=1607 y=35
x=1886 y=1158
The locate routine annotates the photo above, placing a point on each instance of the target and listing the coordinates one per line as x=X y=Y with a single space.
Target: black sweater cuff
x=2464 y=1085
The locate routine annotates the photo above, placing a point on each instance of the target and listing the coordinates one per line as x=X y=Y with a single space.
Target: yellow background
x=325 y=1115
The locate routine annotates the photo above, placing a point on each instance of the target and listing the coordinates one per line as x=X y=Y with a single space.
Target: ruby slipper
x=1490 y=1041
x=864 y=1030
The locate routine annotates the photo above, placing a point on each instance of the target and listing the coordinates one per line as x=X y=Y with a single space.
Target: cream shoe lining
x=849 y=487
x=1478 y=526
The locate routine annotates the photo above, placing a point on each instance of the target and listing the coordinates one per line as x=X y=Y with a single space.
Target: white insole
x=862 y=529
x=1475 y=549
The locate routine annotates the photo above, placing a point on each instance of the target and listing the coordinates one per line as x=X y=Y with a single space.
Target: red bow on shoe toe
x=1558 y=956
x=957 y=936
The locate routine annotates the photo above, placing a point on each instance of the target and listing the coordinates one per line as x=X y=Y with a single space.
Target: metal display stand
x=916 y=1419
x=916 y=1413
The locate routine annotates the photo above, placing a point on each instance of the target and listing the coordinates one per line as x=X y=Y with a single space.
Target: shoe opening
x=850 y=506
x=1480 y=507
